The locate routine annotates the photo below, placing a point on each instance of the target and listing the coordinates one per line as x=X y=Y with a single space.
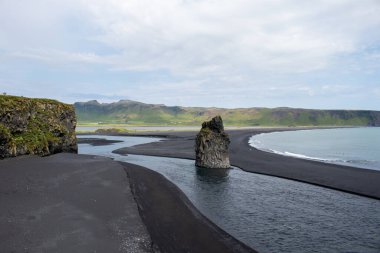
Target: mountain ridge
x=138 y=113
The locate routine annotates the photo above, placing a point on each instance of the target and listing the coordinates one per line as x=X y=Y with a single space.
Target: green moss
x=15 y=99
x=32 y=126
x=4 y=132
x=35 y=140
x=111 y=130
x=206 y=130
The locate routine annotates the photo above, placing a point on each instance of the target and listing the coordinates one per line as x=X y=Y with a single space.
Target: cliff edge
x=36 y=126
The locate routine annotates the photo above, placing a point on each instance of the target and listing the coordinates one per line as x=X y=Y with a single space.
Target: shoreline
x=173 y=222
x=96 y=142
x=373 y=192
x=82 y=203
x=36 y=190
x=359 y=181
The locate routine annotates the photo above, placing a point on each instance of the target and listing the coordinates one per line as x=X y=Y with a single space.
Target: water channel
x=267 y=213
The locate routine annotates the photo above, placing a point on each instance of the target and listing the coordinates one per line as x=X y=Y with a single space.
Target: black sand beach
x=68 y=203
x=172 y=220
x=96 y=142
x=349 y=179
x=82 y=203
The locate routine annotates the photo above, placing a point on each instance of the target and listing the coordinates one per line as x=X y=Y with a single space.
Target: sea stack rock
x=36 y=127
x=211 y=145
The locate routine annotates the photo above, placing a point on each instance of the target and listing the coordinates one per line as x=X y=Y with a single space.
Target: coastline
x=87 y=203
x=172 y=220
x=41 y=194
x=353 y=180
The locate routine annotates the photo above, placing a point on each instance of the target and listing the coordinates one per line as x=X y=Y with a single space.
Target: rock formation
x=36 y=126
x=211 y=145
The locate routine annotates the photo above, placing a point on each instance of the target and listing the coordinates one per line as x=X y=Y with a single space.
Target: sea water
x=357 y=147
x=267 y=213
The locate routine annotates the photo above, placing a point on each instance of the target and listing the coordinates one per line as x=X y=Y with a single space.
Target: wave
x=257 y=144
x=286 y=153
x=315 y=146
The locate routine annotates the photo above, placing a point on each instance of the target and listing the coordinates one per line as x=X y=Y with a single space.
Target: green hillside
x=136 y=113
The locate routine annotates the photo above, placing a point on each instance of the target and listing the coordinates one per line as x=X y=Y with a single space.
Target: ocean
x=356 y=147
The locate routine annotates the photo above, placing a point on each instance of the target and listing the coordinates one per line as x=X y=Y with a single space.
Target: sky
x=322 y=54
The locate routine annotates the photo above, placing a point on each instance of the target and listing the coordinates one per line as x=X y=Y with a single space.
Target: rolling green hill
x=136 y=113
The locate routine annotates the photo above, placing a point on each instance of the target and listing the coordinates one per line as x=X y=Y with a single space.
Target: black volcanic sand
x=172 y=220
x=96 y=141
x=68 y=203
x=83 y=203
x=349 y=179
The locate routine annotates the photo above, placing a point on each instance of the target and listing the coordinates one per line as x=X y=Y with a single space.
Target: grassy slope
x=136 y=113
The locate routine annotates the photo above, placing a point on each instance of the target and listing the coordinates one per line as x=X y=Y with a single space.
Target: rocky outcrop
x=36 y=126
x=211 y=145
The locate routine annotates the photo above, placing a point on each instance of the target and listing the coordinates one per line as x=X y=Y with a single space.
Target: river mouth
x=267 y=213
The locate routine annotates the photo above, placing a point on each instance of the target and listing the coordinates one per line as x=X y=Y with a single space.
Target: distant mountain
x=137 y=113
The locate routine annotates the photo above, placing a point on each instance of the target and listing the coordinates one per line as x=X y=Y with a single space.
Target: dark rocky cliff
x=211 y=145
x=36 y=126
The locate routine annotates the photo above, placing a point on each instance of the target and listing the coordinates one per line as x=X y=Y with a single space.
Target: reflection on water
x=213 y=176
x=267 y=213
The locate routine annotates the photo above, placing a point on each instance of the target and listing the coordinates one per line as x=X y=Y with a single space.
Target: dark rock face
x=36 y=126
x=211 y=145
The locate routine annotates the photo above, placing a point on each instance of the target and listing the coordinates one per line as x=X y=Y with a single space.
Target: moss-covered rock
x=36 y=126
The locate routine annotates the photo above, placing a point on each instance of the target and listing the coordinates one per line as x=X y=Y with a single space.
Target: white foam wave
x=313 y=158
x=257 y=144
x=340 y=159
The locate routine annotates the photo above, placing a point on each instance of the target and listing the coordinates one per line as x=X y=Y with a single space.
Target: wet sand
x=349 y=179
x=172 y=220
x=96 y=142
x=84 y=203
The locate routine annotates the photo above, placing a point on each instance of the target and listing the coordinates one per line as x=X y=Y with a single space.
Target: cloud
x=207 y=36
x=60 y=57
x=243 y=49
x=91 y=96
x=201 y=36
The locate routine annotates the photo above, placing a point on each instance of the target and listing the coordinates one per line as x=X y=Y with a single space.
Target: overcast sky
x=224 y=53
